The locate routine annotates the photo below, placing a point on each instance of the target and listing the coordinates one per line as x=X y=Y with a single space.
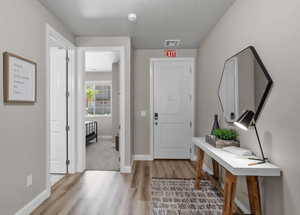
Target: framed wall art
x=19 y=79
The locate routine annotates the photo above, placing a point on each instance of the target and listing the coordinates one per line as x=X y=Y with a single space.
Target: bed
x=91 y=131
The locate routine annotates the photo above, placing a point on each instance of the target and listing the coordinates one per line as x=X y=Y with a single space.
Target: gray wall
x=273 y=27
x=104 y=122
x=98 y=76
x=115 y=98
x=118 y=41
x=141 y=66
x=23 y=127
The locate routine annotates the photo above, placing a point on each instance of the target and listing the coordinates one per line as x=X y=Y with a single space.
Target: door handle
x=155 y=116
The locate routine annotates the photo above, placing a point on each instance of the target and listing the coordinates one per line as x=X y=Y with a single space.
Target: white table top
x=235 y=164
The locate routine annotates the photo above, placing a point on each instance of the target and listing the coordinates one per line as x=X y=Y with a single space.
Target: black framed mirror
x=244 y=85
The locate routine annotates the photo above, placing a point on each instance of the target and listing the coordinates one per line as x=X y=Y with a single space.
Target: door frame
x=53 y=37
x=81 y=152
x=191 y=61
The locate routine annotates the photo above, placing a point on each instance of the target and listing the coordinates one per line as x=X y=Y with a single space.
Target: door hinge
x=67 y=128
x=67 y=94
x=68 y=162
x=67 y=59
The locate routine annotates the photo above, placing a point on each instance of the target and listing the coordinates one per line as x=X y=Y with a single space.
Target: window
x=98 y=98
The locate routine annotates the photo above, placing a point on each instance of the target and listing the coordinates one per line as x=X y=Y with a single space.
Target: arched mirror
x=244 y=85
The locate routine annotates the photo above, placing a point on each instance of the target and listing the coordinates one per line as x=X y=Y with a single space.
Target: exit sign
x=170 y=53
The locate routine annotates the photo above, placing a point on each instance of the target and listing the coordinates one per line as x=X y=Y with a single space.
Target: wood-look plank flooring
x=112 y=193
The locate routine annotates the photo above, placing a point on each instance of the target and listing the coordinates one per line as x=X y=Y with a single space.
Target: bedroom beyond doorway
x=101 y=86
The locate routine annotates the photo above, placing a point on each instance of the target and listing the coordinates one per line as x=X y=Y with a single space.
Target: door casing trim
x=81 y=150
x=52 y=34
x=190 y=60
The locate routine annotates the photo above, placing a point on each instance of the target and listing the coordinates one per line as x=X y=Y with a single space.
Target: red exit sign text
x=170 y=53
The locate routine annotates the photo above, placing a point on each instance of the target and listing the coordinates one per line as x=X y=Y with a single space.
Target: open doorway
x=102 y=107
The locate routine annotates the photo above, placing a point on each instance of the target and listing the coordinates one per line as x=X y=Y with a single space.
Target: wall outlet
x=29 y=180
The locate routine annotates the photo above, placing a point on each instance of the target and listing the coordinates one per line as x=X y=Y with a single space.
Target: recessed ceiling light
x=132 y=17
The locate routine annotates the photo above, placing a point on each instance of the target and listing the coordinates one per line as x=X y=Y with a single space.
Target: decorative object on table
x=247 y=120
x=223 y=138
x=215 y=125
x=238 y=151
x=211 y=139
x=178 y=196
x=19 y=79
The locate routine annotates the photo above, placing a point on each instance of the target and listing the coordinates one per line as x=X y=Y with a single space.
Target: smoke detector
x=172 y=43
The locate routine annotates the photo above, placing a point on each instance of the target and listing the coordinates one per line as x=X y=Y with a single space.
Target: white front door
x=58 y=149
x=172 y=98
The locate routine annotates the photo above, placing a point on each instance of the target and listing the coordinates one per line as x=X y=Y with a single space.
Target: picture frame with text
x=19 y=79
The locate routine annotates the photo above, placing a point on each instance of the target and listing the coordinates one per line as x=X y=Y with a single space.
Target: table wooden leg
x=254 y=195
x=229 y=193
x=200 y=159
x=216 y=169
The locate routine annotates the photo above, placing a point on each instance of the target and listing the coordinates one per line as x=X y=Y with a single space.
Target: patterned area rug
x=178 y=197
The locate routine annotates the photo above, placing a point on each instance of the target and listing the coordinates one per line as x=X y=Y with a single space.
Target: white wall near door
x=115 y=98
x=172 y=87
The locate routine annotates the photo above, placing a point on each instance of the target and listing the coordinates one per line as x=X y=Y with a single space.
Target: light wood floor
x=111 y=193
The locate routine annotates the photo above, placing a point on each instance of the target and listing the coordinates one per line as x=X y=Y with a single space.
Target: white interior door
x=58 y=149
x=172 y=97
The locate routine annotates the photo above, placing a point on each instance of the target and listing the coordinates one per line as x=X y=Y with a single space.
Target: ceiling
x=100 y=61
x=157 y=20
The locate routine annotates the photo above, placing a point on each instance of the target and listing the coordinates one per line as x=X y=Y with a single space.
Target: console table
x=235 y=166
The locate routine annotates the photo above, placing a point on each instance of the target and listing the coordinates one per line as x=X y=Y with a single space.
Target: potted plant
x=224 y=137
x=90 y=94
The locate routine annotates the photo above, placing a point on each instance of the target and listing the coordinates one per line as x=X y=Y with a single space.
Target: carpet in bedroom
x=102 y=155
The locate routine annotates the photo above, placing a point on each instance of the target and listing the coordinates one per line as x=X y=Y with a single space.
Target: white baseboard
x=126 y=169
x=141 y=157
x=241 y=206
x=37 y=201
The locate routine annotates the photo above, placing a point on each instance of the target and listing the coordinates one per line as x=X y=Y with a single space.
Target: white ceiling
x=157 y=20
x=100 y=61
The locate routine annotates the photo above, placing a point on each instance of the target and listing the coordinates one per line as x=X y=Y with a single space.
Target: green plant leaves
x=90 y=93
x=225 y=134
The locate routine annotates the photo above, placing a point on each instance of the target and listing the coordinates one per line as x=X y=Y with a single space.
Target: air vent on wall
x=172 y=43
